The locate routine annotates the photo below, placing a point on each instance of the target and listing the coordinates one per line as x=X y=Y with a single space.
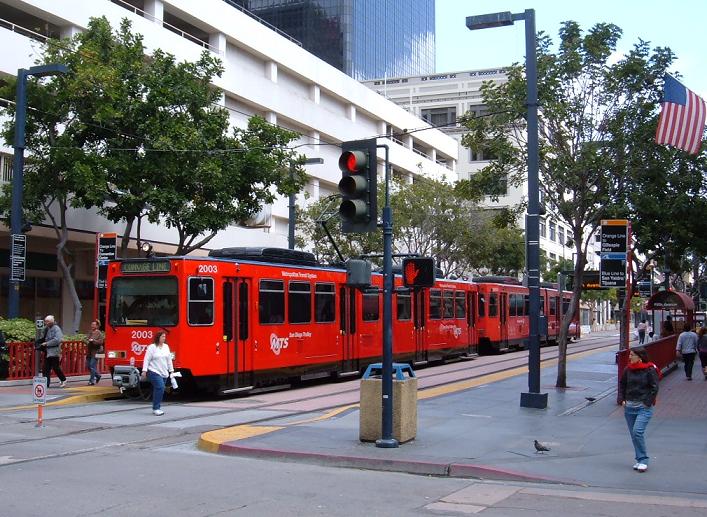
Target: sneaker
x=689 y=378
x=91 y=383
x=635 y=466
x=62 y=384
x=98 y=379
x=158 y=412
x=641 y=467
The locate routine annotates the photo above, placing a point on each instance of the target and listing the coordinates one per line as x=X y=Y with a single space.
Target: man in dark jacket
x=52 y=345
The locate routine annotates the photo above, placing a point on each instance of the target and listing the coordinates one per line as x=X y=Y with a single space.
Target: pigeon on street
x=540 y=448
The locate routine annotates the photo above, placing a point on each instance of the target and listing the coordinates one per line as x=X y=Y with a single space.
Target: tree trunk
x=561 y=381
x=125 y=240
x=63 y=233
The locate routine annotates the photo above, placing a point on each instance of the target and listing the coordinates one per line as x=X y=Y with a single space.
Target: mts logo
x=277 y=344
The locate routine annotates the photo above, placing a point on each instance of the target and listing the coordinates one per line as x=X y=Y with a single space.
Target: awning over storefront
x=670 y=301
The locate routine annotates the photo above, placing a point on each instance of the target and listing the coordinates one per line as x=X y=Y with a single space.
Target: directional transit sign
x=613 y=270
x=18 y=258
x=614 y=235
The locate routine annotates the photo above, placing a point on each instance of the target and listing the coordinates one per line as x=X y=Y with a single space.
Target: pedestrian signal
x=418 y=272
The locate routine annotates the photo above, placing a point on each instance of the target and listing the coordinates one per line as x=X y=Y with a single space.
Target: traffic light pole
x=387 y=441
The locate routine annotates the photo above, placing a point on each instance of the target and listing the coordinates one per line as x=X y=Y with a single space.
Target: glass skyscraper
x=366 y=39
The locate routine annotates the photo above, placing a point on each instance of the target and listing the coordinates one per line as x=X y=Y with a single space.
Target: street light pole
x=533 y=398
x=291 y=205
x=18 y=165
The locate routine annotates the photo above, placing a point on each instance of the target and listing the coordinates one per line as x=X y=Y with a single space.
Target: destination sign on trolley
x=148 y=266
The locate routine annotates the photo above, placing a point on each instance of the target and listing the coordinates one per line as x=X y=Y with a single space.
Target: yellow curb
x=93 y=395
x=212 y=440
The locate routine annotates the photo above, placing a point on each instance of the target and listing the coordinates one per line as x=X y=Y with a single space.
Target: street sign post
x=39 y=396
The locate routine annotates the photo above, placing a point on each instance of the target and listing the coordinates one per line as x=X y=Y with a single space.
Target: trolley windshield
x=144 y=301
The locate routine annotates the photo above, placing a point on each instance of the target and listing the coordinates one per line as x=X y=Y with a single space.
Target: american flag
x=682 y=117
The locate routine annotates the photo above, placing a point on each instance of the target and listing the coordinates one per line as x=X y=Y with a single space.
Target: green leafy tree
x=590 y=104
x=138 y=136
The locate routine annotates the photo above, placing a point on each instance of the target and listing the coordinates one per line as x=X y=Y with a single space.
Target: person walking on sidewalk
x=157 y=366
x=94 y=344
x=687 y=348
x=642 y=326
x=702 y=349
x=639 y=388
x=51 y=344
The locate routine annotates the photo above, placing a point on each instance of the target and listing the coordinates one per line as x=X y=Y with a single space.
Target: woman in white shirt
x=157 y=366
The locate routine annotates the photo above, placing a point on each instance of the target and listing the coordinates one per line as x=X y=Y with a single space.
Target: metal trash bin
x=404 y=403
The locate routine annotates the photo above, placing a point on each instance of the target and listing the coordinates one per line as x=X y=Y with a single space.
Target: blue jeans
x=91 y=363
x=157 y=388
x=637 y=419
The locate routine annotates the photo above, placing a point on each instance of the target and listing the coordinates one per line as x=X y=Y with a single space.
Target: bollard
x=404 y=404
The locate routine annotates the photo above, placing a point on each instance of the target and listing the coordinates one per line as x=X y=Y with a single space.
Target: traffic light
x=358 y=185
x=418 y=272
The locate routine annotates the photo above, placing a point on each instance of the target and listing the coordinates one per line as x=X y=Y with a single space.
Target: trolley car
x=244 y=318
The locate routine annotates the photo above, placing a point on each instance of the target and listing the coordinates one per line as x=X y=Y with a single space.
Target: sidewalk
x=483 y=432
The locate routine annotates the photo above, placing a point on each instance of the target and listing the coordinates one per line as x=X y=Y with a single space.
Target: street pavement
x=474 y=447
x=483 y=433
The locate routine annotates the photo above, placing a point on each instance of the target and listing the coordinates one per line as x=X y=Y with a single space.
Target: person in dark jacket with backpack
x=639 y=388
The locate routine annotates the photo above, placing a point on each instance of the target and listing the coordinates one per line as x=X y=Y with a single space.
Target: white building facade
x=265 y=74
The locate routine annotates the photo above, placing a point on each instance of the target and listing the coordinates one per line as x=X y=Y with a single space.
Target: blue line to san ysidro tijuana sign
x=612 y=272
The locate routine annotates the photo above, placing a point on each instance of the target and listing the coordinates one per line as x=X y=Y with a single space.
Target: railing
x=73 y=360
x=421 y=153
x=169 y=26
x=661 y=352
x=24 y=31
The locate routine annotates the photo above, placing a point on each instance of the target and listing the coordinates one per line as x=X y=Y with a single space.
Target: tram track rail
x=182 y=436
x=498 y=363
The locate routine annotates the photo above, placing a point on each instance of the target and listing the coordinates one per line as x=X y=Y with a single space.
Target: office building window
x=561 y=231
x=440 y=116
x=543 y=229
x=553 y=227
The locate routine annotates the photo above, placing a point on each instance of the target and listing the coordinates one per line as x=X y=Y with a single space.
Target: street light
x=291 y=215
x=18 y=165
x=533 y=398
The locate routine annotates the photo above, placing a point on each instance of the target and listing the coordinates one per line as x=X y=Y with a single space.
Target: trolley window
x=553 y=306
x=482 y=305
x=448 y=297
x=493 y=305
x=271 y=306
x=227 y=311
x=460 y=305
x=404 y=306
x=565 y=306
x=526 y=304
x=243 y=311
x=144 y=301
x=512 y=311
x=201 y=301
x=324 y=303
x=435 y=304
x=299 y=302
x=371 y=307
